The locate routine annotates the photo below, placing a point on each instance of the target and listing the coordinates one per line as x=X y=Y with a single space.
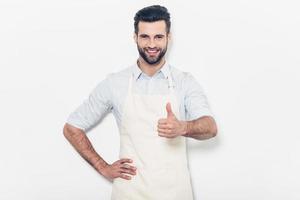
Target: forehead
x=152 y=28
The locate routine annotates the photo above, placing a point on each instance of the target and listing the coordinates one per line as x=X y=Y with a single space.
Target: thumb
x=169 y=110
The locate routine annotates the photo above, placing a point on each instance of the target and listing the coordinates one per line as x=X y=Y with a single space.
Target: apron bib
x=162 y=169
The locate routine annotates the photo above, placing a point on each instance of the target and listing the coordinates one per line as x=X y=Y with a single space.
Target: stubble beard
x=152 y=60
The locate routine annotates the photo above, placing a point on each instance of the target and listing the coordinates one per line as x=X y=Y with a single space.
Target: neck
x=148 y=69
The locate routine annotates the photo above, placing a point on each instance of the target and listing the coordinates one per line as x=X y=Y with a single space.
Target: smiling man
x=152 y=52
x=156 y=107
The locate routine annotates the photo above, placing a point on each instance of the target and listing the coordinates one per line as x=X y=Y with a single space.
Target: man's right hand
x=120 y=169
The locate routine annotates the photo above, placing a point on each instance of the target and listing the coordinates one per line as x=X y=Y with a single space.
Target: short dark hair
x=152 y=14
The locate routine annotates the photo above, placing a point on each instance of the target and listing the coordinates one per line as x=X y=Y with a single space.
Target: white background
x=245 y=54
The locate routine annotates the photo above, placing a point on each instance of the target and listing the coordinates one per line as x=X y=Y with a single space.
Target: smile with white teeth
x=152 y=51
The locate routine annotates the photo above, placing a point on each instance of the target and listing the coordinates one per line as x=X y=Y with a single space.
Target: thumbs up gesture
x=171 y=127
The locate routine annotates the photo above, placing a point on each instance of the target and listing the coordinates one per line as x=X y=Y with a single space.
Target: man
x=156 y=107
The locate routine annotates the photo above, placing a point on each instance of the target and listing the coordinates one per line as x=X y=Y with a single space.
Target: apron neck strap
x=169 y=78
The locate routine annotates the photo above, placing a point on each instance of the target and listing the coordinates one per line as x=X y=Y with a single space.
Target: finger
x=124 y=176
x=124 y=160
x=164 y=131
x=162 y=121
x=169 y=110
x=126 y=166
x=127 y=171
x=166 y=135
x=164 y=126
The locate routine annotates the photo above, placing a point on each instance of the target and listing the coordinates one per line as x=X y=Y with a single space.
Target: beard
x=152 y=60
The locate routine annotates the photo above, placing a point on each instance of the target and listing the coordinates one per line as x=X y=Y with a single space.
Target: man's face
x=152 y=41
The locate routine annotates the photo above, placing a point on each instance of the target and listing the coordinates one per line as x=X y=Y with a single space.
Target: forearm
x=83 y=146
x=201 y=129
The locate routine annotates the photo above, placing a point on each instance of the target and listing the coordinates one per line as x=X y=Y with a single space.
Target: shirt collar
x=165 y=70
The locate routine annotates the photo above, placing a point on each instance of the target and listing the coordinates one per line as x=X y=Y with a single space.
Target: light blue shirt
x=110 y=94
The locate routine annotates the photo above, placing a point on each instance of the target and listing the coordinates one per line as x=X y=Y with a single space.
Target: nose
x=151 y=43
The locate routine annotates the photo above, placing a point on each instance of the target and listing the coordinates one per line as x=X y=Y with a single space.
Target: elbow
x=70 y=130
x=213 y=128
x=66 y=131
x=214 y=131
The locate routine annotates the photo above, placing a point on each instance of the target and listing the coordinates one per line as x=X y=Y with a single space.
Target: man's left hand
x=171 y=127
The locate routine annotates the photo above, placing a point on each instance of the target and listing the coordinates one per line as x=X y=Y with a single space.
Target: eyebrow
x=144 y=35
x=158 y=35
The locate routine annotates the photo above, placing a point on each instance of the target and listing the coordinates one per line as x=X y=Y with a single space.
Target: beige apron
x=162 y=172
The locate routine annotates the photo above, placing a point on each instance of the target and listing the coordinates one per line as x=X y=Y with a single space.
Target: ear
x=169 y=36
x=135 y=37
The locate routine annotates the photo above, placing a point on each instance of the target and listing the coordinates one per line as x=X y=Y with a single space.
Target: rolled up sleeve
x=93 y=109
x=196 y=104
